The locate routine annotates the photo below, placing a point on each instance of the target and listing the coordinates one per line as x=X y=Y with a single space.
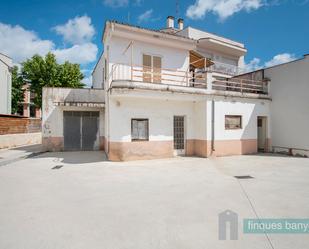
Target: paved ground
x=12 y=155
x=75 y=200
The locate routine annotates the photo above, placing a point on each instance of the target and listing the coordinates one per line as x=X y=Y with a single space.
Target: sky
x=273 y=31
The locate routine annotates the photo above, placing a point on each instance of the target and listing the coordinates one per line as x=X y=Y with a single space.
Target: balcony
x=200 y=81
x=223 y=68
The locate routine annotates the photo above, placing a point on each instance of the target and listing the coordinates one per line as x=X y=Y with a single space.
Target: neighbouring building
x=289 y=88
x=27 y=107
x=5 y=84
x=161 y=93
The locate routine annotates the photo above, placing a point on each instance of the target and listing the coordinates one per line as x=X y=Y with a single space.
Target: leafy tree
x=17 y=89
x=41 y=72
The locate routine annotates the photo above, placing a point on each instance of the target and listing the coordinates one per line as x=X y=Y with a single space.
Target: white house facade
x=163 y=93
x=5 y=84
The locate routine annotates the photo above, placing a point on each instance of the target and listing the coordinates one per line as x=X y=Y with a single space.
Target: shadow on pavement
x=76 y=157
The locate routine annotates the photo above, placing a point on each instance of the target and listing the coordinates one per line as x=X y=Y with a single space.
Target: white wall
x=52 y=115
x=249 y=109
x=172 y=58
x=160 y=113
x=5 y=84
x=289 y=88
x=98 y=73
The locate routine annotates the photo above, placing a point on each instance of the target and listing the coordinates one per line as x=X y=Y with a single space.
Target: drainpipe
x=212 y=126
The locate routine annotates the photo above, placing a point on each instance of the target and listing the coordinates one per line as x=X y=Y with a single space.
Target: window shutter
x=146 y=68
x=157 y=69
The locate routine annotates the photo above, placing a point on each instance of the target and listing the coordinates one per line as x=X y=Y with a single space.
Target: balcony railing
x=164 y=76
x=240 y=85
x=224 y=68
x=158 y=75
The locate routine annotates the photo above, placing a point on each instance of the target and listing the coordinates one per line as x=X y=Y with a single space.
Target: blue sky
x=274 y=31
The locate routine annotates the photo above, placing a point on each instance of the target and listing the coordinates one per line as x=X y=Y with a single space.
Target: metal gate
x=179 y=135
x=81 y=130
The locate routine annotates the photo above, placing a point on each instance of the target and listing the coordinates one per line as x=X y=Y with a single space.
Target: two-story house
x=165 y=92
x=6 y=65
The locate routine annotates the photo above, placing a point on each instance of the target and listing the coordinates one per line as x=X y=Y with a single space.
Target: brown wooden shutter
x=147 y=68
x=157 y=69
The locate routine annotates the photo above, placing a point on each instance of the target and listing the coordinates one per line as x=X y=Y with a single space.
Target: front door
x=179 y=135
x=261 y=126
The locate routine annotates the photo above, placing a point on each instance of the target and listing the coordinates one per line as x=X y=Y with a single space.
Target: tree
x=17 y=89
x=41 y=72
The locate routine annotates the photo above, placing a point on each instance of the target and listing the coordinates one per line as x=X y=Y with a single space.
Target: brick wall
x=15 y=125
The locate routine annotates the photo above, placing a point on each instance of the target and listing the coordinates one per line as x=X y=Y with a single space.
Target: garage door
x=81 y=130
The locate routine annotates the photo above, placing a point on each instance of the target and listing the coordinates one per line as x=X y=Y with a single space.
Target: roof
x=216 y=36
x=161 y=31
x=6 y=55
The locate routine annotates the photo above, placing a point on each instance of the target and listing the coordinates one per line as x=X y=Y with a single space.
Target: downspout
x=212 y=127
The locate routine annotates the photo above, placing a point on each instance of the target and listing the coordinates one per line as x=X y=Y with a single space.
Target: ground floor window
x=233 y=122
x=139 y=130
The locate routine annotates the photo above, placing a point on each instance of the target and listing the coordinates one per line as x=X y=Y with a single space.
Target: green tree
x=17 y=89
x=41 y=72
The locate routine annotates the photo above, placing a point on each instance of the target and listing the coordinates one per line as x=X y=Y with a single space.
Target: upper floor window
x=152 y=68
x=233 y=122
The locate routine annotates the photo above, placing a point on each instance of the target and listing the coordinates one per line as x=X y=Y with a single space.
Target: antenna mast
x=177 y=8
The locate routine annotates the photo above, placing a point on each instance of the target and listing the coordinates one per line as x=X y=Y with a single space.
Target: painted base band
x=234 y=147
x=140 y=150
x=197 y=147
x=143 y=150
x=52 y=143
x=57 y=143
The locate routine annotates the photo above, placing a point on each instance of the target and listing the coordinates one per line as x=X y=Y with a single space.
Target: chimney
x=180 y=24
x=170 y=22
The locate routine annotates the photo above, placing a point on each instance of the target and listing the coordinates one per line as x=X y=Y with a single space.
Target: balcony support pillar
x=209 y=80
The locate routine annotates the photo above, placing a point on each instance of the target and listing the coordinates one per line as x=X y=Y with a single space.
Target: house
x=5 y=84
x=162 y=93
x=289 y=89
x=27 y=107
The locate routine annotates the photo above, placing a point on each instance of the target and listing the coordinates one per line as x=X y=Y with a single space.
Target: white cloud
x=116 y=3
x=79 y=53
x=256 y=64
x=222 y=8
x=77 y=30
x=146 y=16
x=20 y=44
x=279 y=59
x=87 y=81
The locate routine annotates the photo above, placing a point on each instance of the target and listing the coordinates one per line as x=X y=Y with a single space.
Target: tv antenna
x=177 y=8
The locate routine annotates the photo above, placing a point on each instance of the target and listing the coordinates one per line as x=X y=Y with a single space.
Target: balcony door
x=152 y=68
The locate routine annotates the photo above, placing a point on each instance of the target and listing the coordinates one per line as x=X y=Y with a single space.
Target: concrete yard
x=77 y=200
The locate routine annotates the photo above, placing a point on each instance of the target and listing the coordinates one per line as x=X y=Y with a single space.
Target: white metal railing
x=125 y=72
x=224 y=68
x=240 y=85
x=158 y=75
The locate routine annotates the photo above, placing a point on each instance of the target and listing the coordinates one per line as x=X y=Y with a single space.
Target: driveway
x=78 y=200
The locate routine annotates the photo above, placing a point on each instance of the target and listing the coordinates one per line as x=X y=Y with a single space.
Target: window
x=152 y=68
x=233 y=122
x=139 y=130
